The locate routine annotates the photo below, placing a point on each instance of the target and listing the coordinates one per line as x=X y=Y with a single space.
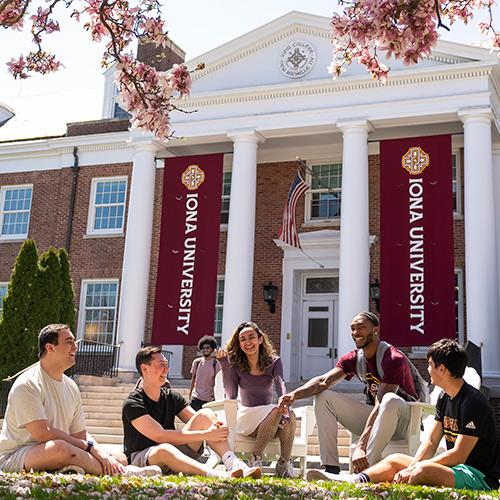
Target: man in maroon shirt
x=384 y=415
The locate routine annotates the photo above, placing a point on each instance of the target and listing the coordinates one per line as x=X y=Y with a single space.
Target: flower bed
x=75 y=486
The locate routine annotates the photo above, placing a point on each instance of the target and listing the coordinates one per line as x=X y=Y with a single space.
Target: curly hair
x=237 y=357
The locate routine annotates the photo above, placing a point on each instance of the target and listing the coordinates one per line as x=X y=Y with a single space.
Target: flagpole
x=314 y=260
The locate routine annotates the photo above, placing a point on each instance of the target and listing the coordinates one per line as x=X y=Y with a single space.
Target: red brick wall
x=91 y=258
x=94 y=258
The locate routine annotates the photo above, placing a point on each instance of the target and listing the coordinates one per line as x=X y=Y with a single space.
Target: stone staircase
x=102 y=405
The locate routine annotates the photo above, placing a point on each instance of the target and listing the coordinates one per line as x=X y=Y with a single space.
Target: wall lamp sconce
x=375 y=293
x=270 y=291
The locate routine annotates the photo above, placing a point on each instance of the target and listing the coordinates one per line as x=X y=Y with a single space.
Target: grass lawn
x=16 y=486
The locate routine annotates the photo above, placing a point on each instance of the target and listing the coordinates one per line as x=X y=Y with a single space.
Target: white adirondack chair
x=227 y=409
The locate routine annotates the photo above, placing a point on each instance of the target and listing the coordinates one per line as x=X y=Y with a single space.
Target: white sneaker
x=315 y=474
x=149 y=470
x=70 y=469
x=241 y=469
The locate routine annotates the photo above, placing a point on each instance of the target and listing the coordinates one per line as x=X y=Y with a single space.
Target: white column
x=137 y=254
x=496 y=195
x=238 y=278
x=481 y=277
x=354 y=272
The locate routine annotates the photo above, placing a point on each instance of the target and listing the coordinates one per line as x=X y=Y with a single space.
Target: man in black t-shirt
x=150 y=436
x=463 y=416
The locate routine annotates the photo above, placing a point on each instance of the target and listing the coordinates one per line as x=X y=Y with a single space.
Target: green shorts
x=469 y=478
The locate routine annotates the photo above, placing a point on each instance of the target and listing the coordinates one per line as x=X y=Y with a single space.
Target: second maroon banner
x=189 y=245
x=417 y=297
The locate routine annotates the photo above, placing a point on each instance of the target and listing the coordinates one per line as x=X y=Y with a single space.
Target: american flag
x=288 y=231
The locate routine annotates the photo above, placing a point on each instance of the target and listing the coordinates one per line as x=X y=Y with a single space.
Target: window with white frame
x=456 y=182
x=98 y=308
x=107 y=205
x=324 y=197
x=3 y=292
x=15 y=208
x=118 y=111
x=226 y=195
x=219 y=306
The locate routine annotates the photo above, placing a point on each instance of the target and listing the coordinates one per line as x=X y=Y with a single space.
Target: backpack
x=421 y=386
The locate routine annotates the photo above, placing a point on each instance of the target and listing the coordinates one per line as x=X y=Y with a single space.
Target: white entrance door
x=318 y=352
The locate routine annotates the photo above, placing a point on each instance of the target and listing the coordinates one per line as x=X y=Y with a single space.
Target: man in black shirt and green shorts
x=150 y=436
x=463 y=416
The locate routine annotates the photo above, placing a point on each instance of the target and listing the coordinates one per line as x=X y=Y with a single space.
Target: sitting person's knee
x=206 y=414
x=164 y=451
x=418 y=475
x=390 y=400
x=61 y=448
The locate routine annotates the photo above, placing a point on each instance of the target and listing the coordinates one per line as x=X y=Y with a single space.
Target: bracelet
x=90 y=445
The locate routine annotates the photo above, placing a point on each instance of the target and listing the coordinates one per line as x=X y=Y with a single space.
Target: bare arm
x=193 y=379
x=43 y=432
x=429 y=445
x=150 y=428
x=315 y=386
x=458 y=454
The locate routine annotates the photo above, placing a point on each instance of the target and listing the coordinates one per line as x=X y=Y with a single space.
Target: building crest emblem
x=193 y=177
x=415 y=160
x=297 y=59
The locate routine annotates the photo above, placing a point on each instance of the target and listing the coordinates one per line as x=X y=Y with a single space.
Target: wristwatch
x=90 y=445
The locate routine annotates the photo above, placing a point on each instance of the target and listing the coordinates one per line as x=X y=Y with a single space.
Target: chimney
x=159 y=57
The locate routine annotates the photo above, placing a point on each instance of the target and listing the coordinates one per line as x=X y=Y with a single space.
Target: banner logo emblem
x=415 y=160
x=193 y=177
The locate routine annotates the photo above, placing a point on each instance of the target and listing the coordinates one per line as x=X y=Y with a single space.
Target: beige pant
x=332 y=407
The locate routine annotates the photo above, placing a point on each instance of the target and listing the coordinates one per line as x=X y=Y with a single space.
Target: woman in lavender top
x=249 y=364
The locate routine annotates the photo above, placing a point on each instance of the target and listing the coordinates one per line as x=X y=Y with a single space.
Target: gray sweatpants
x=332 y=407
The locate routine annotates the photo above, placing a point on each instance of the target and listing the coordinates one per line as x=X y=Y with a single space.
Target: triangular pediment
x=296 y=48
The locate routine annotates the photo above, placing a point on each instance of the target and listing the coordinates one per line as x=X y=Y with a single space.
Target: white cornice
x=321 y=87
x=64 y=145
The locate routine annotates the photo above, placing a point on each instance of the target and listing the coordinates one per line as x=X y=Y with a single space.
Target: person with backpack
x=391 y=381
x=203 y=372
x=463 y=417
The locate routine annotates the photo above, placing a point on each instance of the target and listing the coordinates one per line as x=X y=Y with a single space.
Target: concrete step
x=108 y=389
x=112 y=413
x=104 y=422
x=108 y=438
x=314 y=450
x=120 y=396
x=102 y=402
x=113 y=431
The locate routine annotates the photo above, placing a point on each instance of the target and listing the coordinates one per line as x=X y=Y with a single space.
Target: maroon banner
x=417 y=282
x=186 y=283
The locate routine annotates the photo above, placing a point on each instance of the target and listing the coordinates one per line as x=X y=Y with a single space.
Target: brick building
x=98 y=191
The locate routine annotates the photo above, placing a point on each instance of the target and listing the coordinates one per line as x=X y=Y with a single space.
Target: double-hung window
x=15 y=208
x=226 y=195
x=324 y=197
x=456 y=182
x=108 y=200
x=98 y=310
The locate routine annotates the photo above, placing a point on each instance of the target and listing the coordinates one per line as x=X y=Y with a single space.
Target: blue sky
x=75 y=92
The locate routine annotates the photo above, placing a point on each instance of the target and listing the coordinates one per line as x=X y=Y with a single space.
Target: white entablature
x=243 y=87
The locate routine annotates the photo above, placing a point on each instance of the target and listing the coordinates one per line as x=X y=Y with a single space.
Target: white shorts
x=13 y=460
